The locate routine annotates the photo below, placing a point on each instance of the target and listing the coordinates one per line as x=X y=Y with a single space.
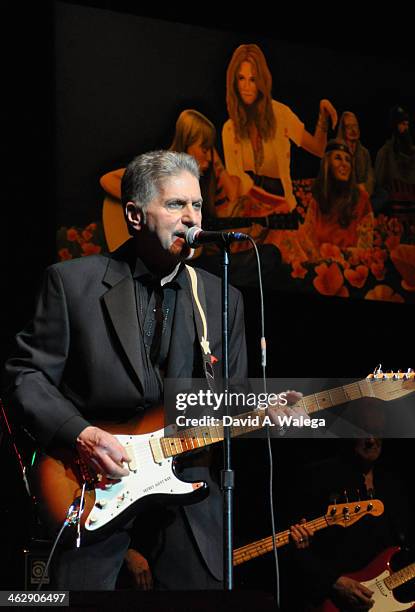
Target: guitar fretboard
x=334 y=397
x=198 y=437
x=400 y=577
x=261 y=547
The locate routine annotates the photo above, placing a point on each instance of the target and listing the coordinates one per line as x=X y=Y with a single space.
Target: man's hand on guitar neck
x=301 y=534
x=291 y=409
x=103 y=451
x=351 y=594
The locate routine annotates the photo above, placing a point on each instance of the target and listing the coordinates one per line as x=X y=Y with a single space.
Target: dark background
x=307 y=335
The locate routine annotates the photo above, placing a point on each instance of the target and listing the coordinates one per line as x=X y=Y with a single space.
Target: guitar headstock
x=347 y=514
x=390 y=385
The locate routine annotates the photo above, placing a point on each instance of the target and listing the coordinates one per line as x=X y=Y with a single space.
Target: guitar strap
x=199 y=314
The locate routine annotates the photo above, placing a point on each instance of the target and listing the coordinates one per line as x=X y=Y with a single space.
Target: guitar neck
x=398 y=578
x=261 y=547
x=334 y=397
x=274 y=221
x=198 y=437
x=232 y=222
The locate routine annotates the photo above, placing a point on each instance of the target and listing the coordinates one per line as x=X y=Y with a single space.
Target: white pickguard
x=383 y=597
x=148 y=478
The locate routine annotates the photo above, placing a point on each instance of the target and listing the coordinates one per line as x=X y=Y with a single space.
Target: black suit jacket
x=80 y=360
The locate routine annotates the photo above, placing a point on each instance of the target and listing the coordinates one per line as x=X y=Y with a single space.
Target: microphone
x=195 y=237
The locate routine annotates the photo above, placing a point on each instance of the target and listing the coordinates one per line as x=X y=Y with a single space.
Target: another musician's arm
x=350 y=593
x=139 y=570
x=230 y=184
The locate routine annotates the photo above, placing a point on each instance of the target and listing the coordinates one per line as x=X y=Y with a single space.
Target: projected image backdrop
x=308 y=150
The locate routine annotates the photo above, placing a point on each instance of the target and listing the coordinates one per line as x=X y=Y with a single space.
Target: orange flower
x=357 y=277
x=329 y=279
x=298 y=271
x=86 y=235
x=344 y=292
x=90 y=249
x=378 y=270
x=64 y=254
x=91 y=227
x=384 y=293
x=72 y=235
x=330 y=251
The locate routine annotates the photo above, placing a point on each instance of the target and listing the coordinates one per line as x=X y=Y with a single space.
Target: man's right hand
x=139 y=570
x=351 y=594
x=103 y=451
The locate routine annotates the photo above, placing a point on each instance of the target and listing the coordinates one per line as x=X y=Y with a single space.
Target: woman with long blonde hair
x=257 y=136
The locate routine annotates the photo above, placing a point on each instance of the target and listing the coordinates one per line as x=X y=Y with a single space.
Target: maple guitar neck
x=400 y=577
x=198 y=437
x=261 y=547
x=342 y=515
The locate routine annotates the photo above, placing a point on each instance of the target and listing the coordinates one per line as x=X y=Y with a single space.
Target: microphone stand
x=227 y=474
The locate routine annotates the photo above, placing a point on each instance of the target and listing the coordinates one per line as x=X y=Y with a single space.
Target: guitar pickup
x=132 y=465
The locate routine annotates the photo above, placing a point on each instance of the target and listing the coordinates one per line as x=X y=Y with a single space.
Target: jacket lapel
x=120 y=304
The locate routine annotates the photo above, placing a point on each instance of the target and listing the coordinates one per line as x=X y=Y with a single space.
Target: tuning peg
x=370 y=493
x=346 y=498
x=333 y=502
x=358 y=494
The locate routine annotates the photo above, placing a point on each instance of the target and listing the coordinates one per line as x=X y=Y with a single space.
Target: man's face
x=176 y=207
x=368 y=449
x=403 y=126
x=351 y=128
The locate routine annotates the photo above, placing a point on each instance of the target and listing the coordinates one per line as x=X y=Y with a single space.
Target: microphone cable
x=269 y=446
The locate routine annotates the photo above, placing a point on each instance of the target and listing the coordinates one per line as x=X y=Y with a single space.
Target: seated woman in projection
x=340 y=212
x=195 y=135
x=257 y=136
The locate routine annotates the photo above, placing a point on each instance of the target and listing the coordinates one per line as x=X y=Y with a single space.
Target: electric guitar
x=286 y=221
x=57 y=479
x=379 y=578
x=343 y=515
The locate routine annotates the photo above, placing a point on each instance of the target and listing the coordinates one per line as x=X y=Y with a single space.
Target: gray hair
x=144 y=174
